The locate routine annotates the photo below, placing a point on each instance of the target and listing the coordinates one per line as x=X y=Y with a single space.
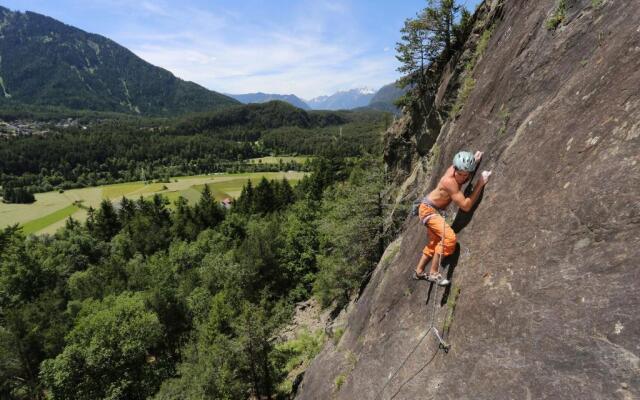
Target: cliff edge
x=544 y=302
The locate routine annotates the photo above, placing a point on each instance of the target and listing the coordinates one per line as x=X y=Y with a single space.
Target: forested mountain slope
x=385 y=98
x=544 y=299
x=45 y=62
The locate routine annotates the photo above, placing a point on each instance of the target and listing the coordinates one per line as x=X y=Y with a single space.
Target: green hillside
x=45 y=62
x=385 y=98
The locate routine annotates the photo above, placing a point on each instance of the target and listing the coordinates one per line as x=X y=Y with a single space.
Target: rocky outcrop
x=548 y=284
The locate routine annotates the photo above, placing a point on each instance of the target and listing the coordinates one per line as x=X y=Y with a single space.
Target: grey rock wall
x=547 y=270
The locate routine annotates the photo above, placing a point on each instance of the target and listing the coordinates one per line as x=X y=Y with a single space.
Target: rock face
x=547 y=269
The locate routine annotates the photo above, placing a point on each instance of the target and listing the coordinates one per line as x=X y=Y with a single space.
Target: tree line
x=143 y=301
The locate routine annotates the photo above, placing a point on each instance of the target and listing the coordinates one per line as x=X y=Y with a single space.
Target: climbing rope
x=379 y=396
x=424 y=335
x=414 y=375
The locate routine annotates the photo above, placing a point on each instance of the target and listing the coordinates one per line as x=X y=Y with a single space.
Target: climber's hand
x=484 y=178
x=478 y=156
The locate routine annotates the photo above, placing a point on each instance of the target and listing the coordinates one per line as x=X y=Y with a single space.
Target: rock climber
x=442 y=239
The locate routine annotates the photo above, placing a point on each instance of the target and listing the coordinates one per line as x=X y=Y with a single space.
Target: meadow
x=51 y=209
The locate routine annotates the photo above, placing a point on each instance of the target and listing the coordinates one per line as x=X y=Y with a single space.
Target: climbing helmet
x=464 y=161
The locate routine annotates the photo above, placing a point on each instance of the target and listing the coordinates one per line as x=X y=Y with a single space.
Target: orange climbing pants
x=436 y=229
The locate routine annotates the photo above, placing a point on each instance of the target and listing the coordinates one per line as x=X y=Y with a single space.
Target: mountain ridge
x=342 y=99
x=46 y=62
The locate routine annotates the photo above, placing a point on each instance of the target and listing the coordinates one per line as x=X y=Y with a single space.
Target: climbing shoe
x=438 y=279
x=421 y=276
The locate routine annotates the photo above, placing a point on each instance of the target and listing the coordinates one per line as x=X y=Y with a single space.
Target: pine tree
x=264 y=201
x=184 y=226
x=207 y=212
x=428 y=39
x=286 y=195
x=244 y=204
x=106 y=224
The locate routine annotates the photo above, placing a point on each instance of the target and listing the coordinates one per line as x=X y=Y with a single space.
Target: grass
x=451 y=307
x=504 y=116
x=340 y=380
x=483 y=42
x=191 y=195
x=41 y=223
x=337 y=335
x=352 y=360
x=47 y=203
x=432 y=158
x=151 y=188
x=118 y=190
x=597 y=3
x=234 y=187
x=558 y=15
x=469 y=83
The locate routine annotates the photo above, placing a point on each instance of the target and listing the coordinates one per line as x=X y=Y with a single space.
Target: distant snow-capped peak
x=366 y=90
x=362 y=90
x=343 y=99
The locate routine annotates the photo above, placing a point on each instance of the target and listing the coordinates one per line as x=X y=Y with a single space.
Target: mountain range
x=45 y=62
x=343 y=100
x=382 y=99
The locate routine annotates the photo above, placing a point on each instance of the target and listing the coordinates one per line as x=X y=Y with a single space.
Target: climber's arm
x=466 y=203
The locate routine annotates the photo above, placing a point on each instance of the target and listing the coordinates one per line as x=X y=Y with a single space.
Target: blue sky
x=305 y=47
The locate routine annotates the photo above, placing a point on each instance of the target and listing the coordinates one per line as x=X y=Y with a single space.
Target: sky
x=305 y=47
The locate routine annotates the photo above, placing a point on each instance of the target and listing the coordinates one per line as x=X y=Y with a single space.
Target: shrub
x=558 y=15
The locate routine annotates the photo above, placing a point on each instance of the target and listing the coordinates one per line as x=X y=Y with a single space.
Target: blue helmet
x=464 y=161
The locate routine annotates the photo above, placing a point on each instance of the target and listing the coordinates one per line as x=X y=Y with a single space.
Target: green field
x=51 y=209
x=41 y=223
x=120 y=189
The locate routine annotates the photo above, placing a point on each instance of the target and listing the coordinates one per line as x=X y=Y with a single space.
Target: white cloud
x=317 y=53
x=155 y=8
